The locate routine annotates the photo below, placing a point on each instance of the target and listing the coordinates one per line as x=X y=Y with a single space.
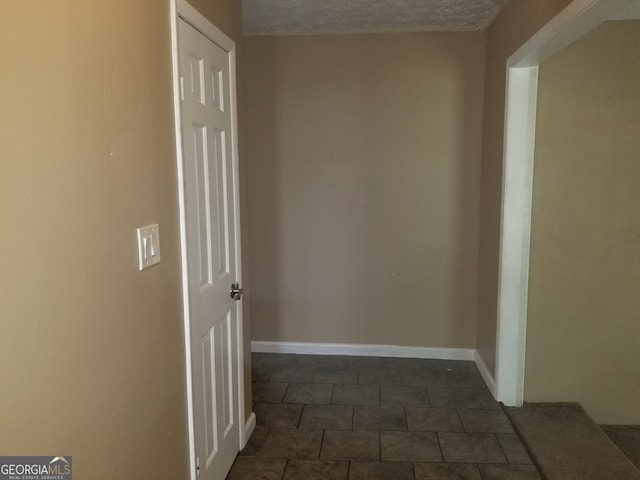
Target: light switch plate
x=148 y=246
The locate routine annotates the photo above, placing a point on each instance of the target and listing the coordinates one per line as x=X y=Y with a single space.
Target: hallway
x=374 y=418
x=340 y=417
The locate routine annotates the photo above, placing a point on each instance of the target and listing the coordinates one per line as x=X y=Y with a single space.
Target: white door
x=210 y=176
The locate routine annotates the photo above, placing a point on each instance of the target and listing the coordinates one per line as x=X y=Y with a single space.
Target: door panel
x=208 y=369
x=211 y=249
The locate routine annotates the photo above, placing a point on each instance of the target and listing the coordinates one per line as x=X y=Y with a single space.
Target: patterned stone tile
x=316 y=470
x=486 y=399
x=509 y=472
x=356 y=395
x=256 y=442
x=379 y=376
x=269 y=391
x=309 y=393
x=292 y=444
x=292 y=373
x=453 y=397
x=418 y=378
x=317 y=362
x=327 y=417
x=470 y=448
x=514 y=449
x=278 y=414
x=627 y=438
x=491 y=421
x=261 y=373
x=446 y=471
x=365 y=362
x=245 y=468
x=402 y=363
x=336 y=375
x=433 y=419
x=410 y=447
x=379 y=418
x=381 y=471
x=403 y=395
x=350 y=445
x=466 y=378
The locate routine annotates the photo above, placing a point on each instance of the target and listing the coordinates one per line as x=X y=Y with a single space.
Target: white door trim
x=578 y=18
x=182 y=9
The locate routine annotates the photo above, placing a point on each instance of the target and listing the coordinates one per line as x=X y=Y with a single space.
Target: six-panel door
x=211 y=243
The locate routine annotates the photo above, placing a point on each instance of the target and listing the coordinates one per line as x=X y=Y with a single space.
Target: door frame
x=180 y=9
x=577 y=19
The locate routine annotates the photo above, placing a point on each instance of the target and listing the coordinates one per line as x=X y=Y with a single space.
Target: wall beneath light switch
x=91 y=350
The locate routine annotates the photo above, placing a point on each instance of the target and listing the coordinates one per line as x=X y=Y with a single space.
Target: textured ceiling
x=291 y=17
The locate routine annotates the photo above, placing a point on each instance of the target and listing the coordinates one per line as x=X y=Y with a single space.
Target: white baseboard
x=486 y=373
x=249 y=426
x=364 y=350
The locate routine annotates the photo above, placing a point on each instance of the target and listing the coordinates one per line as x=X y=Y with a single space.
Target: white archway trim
x=515 y=235
x=578 y=18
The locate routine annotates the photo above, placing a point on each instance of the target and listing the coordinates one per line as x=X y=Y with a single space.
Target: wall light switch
x=148 y=246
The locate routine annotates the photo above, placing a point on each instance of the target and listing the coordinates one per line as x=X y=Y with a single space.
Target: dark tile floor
x=568 y=445
x=370 y=418
x=627 y=439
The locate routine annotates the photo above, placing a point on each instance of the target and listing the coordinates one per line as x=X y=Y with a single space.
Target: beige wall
x=584 y=297
x=517 y=22
x=91 y=350
x=363 y=183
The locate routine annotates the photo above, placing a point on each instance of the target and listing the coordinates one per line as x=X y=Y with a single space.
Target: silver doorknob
x=236 y=292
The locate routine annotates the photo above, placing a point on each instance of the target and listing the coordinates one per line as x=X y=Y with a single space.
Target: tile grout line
x=333 y=387
x=464 y=428
x=479 y=472
x=286 y=390
x=304 y=406
x=321 y=444
x=504 y=454
x=286 y=465
x=406 y=417
x=353 y=417
x=440 y=447
x=379 y=391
